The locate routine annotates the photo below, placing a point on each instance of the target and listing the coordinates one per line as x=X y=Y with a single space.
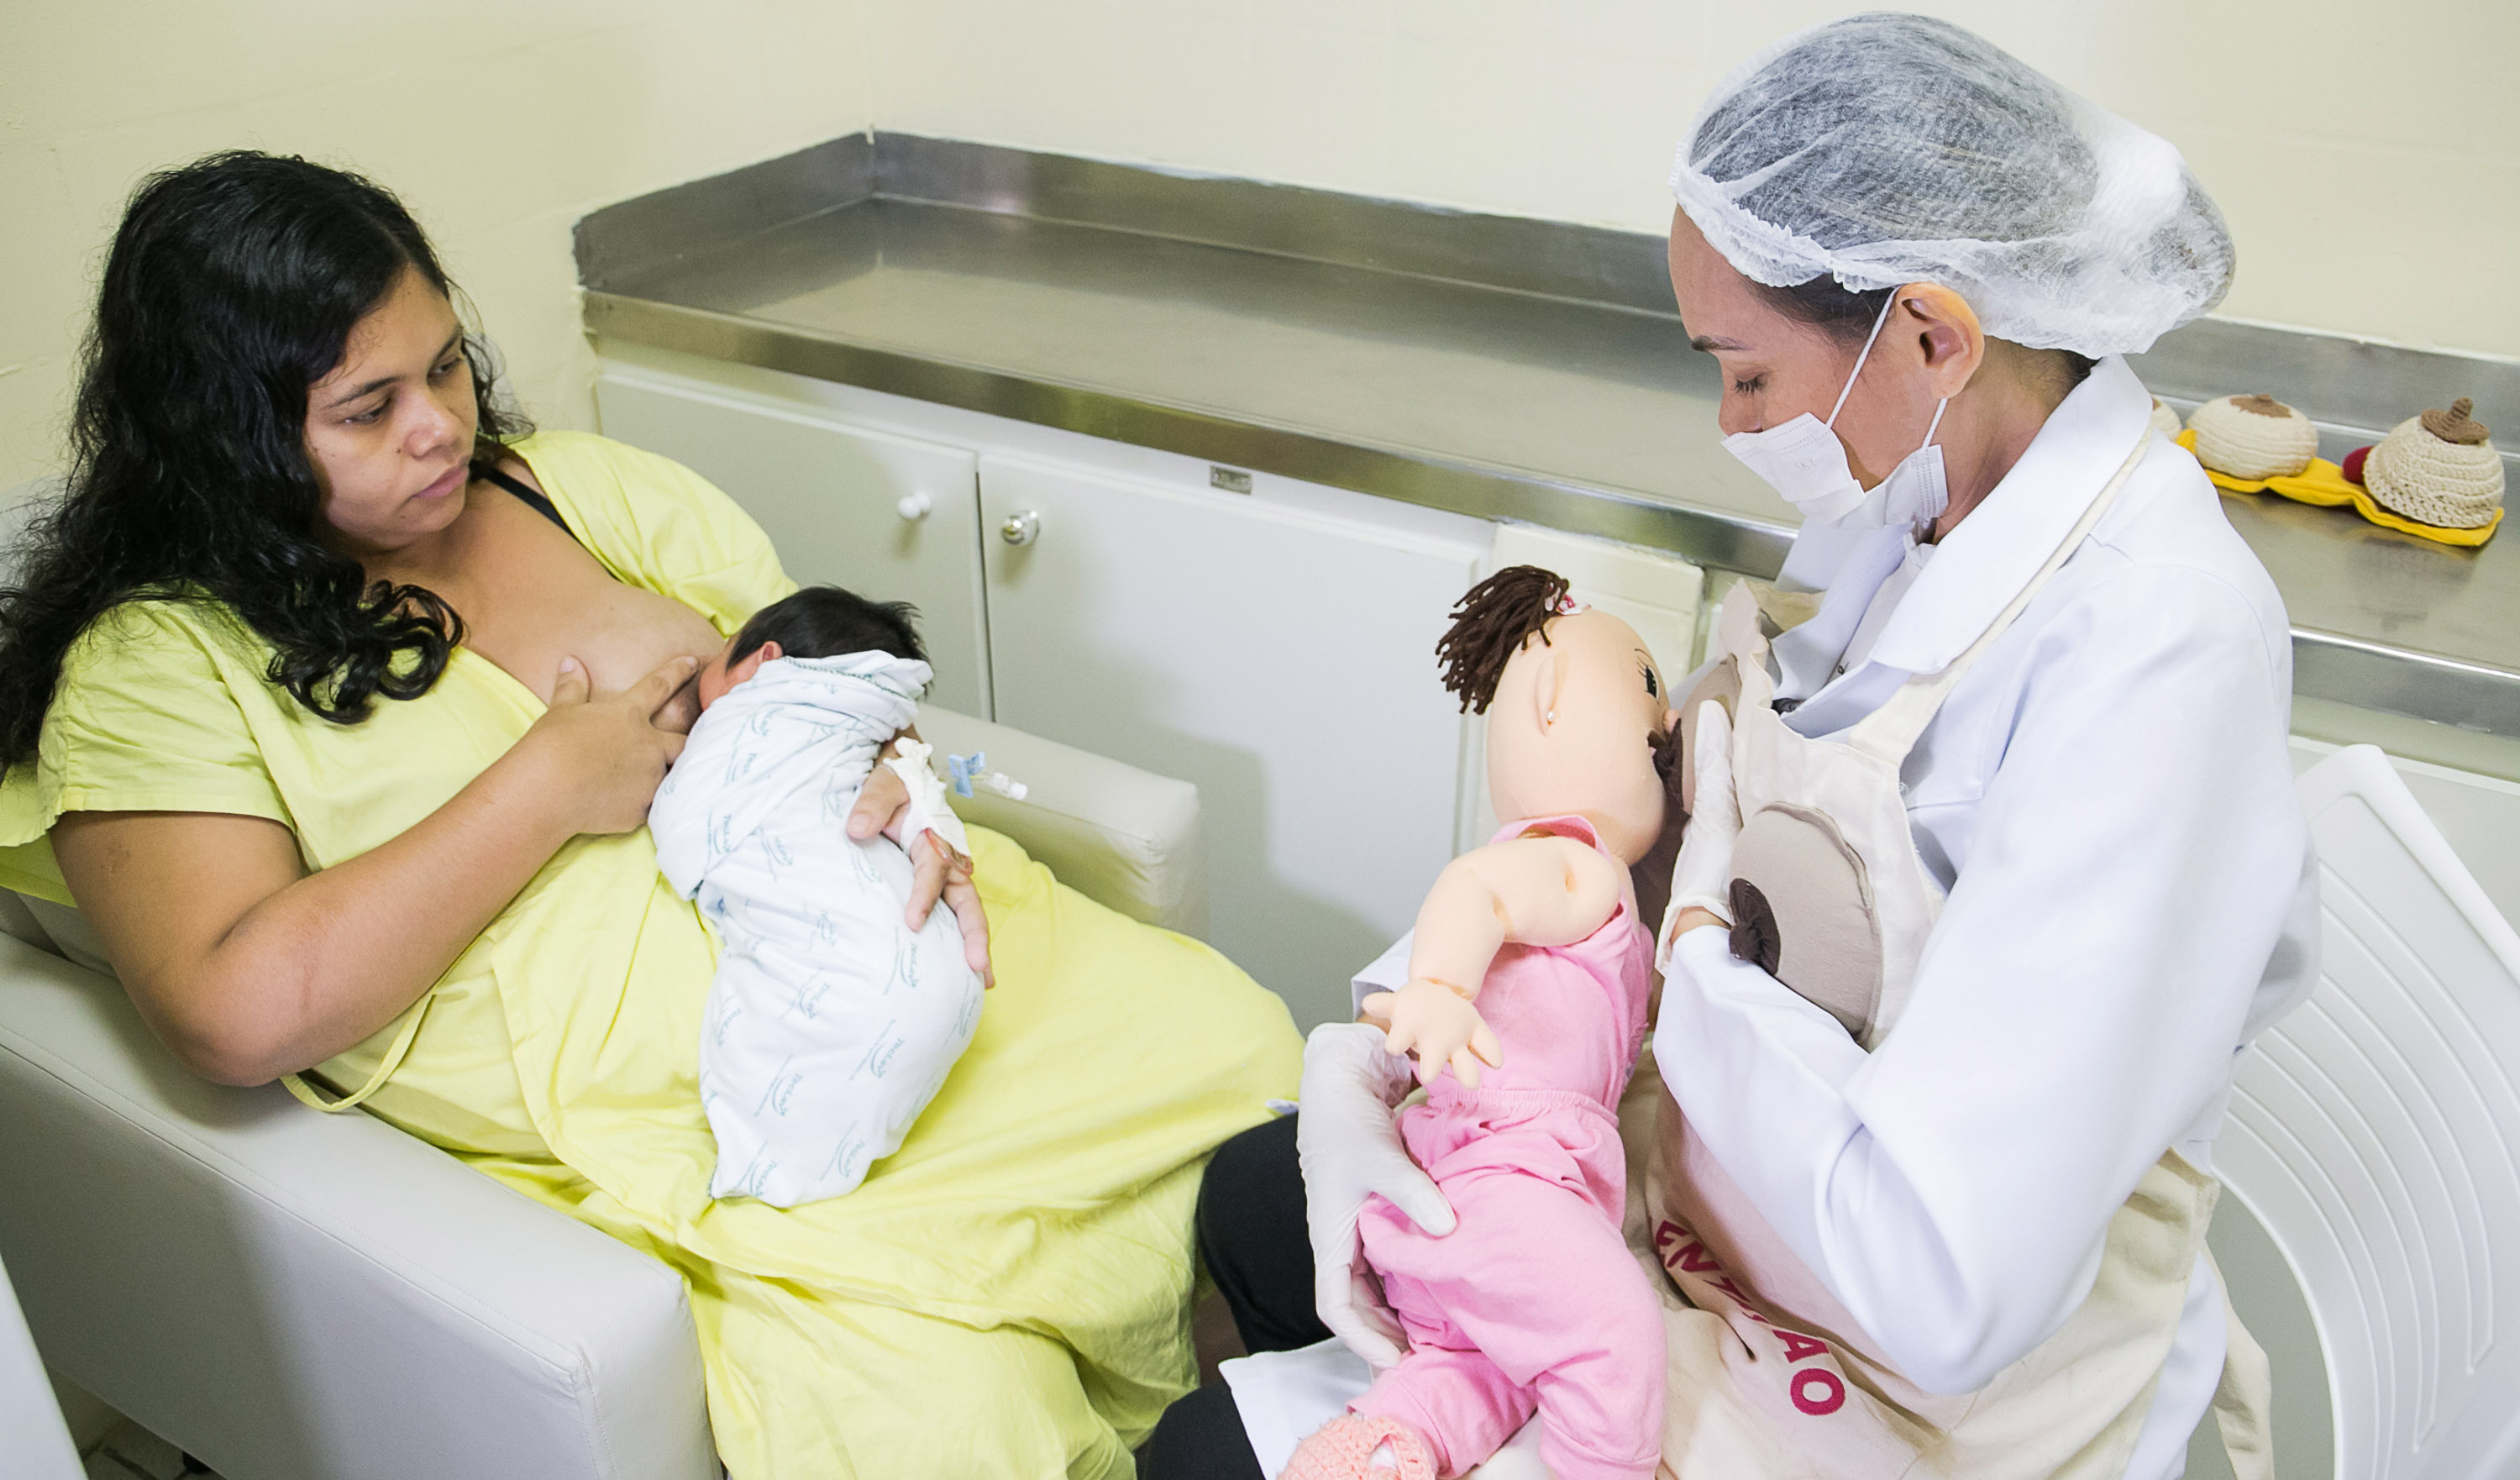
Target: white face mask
x=1804 y=460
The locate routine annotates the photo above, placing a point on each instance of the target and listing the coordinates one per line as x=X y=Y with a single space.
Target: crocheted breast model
x=2164 y=419
x=2253 y=437
x=2439 y=467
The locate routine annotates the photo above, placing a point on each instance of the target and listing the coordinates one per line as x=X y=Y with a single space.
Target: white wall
x=500 y=123
x=2366 y=152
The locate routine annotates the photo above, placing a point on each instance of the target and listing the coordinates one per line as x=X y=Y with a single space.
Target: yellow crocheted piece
x=2323 y=483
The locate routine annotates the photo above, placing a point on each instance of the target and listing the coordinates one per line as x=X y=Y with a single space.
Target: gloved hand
x=1702 y=878
x=1349 y=1145
x=1440 y=1026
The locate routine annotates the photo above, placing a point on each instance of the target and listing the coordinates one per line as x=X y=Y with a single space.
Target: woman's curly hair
x=232 y=287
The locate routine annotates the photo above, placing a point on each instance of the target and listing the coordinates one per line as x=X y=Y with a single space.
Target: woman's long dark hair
x=232 y=288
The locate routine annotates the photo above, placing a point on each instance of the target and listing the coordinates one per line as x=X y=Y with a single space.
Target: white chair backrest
x=2375 y=1132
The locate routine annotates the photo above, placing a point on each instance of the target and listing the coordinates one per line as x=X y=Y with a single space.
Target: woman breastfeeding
x=341 y=700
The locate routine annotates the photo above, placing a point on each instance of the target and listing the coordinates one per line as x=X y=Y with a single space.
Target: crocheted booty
x=1343 y=1448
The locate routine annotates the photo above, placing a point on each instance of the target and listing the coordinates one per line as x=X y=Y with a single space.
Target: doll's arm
x=1530 y=891
x=1525 y=892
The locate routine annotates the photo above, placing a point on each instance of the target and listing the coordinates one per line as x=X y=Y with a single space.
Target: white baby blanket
x=831 y=1024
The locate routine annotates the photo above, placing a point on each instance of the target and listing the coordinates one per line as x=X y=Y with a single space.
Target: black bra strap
x=532 y=497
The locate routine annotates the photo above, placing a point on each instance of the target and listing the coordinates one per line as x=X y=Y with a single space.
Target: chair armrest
x=1124 y=837
x=284 y=1293
x=34 y=1442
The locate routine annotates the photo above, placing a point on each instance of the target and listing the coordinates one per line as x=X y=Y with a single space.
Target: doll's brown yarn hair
x=1490 y=622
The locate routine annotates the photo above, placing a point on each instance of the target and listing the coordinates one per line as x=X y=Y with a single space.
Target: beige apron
x=1769 y=1376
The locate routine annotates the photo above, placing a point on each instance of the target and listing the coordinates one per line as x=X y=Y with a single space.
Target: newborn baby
x=832 y=1023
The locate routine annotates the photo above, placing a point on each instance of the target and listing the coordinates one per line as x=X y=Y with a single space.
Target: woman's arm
x=2135 y=862
x=250 y=968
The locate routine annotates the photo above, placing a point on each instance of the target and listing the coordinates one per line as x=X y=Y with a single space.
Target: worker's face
x=1776 y=367
x=389 y=428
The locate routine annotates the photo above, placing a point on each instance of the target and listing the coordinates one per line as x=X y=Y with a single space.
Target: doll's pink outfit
x=1534 y=1301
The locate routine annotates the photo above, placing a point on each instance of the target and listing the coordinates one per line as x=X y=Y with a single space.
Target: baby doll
x=831 y=1023
x=1529 y=959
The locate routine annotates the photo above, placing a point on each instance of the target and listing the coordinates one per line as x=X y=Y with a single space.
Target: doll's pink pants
x=1534 y=1301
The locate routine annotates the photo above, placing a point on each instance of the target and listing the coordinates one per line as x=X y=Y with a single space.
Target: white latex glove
x=1702 y=878
x=1350 y=1146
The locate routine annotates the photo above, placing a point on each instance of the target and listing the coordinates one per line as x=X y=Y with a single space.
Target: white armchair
x=287 y=1294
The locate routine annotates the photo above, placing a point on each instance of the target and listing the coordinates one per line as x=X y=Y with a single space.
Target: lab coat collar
x=2002 y=543
x=1857 y=563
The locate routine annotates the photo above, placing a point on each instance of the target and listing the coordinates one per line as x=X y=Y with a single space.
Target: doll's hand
x=1441 y=1027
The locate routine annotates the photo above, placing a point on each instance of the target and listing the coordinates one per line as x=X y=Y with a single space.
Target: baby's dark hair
x=826 y=622
x=1490 y=622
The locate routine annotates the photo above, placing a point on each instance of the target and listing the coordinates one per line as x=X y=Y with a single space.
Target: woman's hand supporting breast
x=605 y=754
x=250 y=966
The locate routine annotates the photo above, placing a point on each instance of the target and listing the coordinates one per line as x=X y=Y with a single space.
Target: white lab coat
x=2109 y=799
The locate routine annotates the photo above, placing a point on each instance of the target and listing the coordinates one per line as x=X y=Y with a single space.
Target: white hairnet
x=1888 y=149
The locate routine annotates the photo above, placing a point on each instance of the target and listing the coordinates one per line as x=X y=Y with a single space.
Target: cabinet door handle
x=914 y=507
x=1019 y=528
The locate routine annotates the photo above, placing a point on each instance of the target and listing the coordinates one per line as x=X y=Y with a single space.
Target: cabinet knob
x=1019 y=528
x=914 y=507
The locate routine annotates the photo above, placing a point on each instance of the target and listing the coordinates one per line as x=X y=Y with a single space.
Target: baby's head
x=1579 y=720
x=819 y=621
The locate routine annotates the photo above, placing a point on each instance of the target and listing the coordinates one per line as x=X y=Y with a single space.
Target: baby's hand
x=1440 y=1025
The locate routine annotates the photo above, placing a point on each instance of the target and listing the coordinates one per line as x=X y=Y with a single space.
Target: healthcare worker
x=1993 y=862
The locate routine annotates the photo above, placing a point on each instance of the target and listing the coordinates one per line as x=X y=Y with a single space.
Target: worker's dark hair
x=826 y=622
x=1841 y=312
x=1846 y=315
x=232 y=287
x=1490 y=622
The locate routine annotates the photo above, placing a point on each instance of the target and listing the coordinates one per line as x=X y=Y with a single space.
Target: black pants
x=1252 y=1233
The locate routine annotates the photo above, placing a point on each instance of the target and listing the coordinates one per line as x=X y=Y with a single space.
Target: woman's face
x=1776 y=367
x=389 y=430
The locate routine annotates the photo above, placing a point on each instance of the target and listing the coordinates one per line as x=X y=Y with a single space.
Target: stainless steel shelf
x=1505 y=368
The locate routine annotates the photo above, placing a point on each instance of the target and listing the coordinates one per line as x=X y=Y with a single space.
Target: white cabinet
x=832 y=499
x=1283 y=661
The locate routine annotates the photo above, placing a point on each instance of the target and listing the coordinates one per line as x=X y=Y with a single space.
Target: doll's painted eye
x=1653 y=684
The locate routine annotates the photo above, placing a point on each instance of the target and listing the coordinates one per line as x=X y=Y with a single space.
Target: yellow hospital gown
x=1005 y=1296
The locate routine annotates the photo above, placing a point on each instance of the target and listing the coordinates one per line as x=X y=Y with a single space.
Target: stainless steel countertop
x=1499 y=401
